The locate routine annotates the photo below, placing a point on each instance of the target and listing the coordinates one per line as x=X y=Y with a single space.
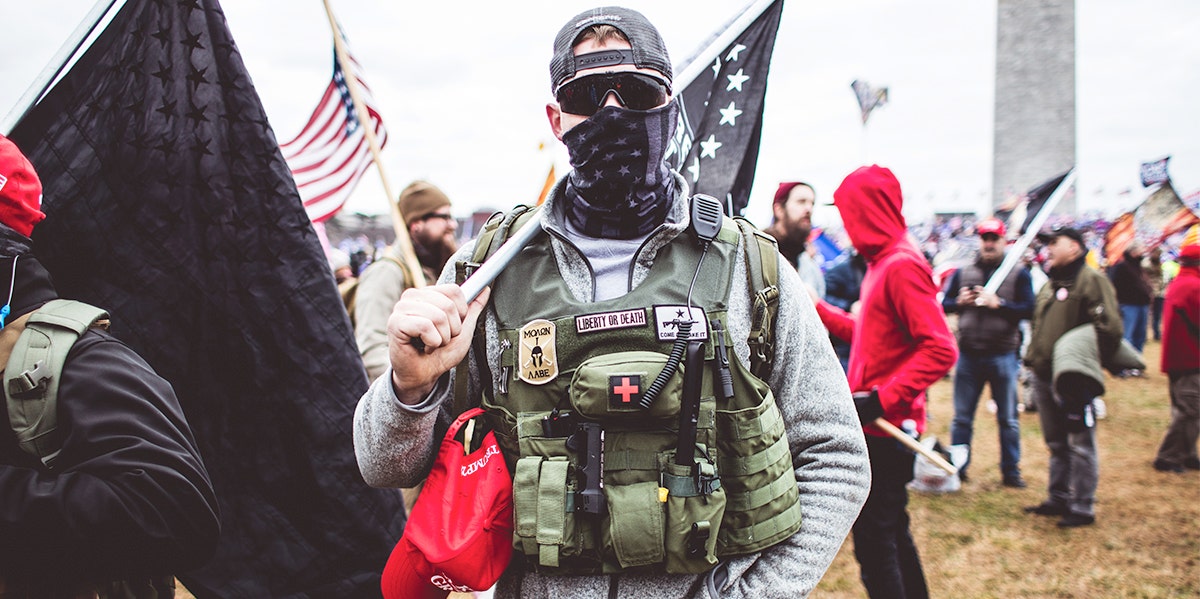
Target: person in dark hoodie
x=126 y=503
x=900 y=345
x=1133 y=295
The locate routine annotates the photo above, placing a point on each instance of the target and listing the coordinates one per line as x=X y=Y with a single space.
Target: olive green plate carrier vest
x=741 y=497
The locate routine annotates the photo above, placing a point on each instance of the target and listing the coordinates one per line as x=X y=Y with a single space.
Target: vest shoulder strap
x=33 y=371
x=762 y=264
x=496 y=231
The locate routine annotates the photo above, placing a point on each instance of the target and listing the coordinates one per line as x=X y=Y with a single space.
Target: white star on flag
x=694 y=169
x=721 y=97
x=736 y=80
x=729 y=114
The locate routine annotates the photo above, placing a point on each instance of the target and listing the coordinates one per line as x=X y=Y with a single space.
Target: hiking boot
x=1165 y=466
x=1073 y=519
x=1192 y=463
x=1047 y=508
x=1014 y=480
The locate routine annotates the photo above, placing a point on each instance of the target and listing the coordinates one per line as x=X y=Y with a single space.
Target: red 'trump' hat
x=459 y=535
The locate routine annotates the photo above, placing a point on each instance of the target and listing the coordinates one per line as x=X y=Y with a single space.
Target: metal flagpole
x=56 y=65
x=490 y=269
x=1018 y=249
x=364 y=119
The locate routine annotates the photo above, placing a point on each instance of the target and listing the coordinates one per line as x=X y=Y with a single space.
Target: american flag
x=716 y=143
x=330 y=154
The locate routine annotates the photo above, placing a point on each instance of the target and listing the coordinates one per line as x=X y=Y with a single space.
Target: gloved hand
x=868 y=406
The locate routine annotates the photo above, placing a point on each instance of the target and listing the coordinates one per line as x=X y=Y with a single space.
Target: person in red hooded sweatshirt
x=1181 y=363
x=899 y=346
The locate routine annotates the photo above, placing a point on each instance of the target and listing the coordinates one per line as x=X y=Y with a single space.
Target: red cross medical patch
x=624 y=390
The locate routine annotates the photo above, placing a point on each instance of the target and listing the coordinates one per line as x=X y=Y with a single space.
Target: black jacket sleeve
x=129 y=494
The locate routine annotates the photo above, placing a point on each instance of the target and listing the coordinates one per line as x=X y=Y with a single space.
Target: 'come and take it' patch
x=538 y=357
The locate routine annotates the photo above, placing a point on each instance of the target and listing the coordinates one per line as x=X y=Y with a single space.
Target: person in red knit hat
x=1181 y=364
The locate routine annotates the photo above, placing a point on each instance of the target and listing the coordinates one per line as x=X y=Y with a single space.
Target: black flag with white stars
x=169 y=204
x=716 y=146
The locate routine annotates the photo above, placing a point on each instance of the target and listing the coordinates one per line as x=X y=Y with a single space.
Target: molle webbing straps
x=762 y=264
x=495 y=232
x=34 y=370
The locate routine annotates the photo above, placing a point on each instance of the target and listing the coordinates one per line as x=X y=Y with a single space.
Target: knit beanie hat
x=20 y=190
x=781 y=194
x=419 y=199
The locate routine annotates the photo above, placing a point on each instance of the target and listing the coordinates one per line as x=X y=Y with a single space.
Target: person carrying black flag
x=578 y=332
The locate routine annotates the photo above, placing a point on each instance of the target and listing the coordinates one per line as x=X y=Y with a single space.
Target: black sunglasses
x=585 y=96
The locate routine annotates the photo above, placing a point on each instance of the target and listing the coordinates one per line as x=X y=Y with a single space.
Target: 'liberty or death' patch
x=604 y=321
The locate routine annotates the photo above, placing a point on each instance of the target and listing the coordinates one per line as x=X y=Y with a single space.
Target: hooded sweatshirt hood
x=869 y=201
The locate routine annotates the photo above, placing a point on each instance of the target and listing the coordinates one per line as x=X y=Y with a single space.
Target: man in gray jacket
x=610 y=225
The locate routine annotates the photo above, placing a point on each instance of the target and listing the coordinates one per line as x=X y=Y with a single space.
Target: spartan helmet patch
x=538 y=358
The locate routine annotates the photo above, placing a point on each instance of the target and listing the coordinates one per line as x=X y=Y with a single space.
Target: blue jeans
x=1000 y=372
x=1135 y=318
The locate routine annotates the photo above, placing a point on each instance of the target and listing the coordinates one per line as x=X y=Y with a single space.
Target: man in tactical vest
x=113 y=499
x=988 y=339
x=735 y=474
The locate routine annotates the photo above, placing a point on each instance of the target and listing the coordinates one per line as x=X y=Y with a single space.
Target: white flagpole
x=1018 y=249
x=56 y=65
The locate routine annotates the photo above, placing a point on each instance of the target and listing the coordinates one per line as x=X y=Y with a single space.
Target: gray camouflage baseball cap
x=648 y=52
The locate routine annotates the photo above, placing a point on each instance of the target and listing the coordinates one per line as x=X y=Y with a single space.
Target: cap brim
x=407 y=575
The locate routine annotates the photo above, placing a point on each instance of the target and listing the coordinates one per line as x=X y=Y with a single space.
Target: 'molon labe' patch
x=624 y=390
x=667 y=319
x=538 y=358
x=591 y=323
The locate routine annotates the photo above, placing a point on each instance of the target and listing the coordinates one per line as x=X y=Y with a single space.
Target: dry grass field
x=977 y=543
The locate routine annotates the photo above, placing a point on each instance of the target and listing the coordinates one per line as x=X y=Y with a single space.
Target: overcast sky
x=462 y=88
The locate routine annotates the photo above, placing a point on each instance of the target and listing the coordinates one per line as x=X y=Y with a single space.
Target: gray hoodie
x=395 y=443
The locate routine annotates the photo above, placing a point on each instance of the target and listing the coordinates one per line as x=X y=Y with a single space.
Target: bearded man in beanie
x=426 y=213
x=791 y=225
x=113 y=499
x=613 y=496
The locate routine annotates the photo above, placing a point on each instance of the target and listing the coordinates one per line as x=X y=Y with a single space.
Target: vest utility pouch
x=756 y=469
x=695 y=507
x=633 y=530
x=545 y=528
x=610 y=386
